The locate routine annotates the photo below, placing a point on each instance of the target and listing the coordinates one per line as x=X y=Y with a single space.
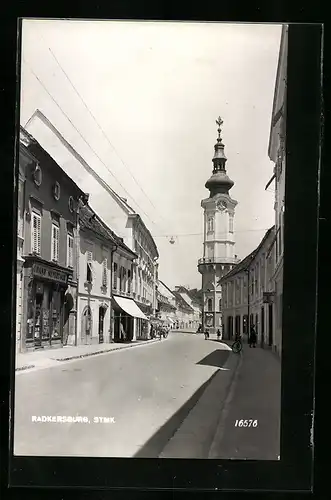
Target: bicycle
x=237 y=346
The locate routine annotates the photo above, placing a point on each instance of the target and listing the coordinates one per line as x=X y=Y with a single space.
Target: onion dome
x=219 y=182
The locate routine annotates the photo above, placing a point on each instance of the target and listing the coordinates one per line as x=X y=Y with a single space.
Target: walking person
x=218 y=335
x=206 y=334
x=252 y=337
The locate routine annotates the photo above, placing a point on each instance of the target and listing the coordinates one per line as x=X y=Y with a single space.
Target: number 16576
x=246 y=423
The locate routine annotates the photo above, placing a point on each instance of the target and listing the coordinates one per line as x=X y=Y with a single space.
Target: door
x=270 y=325
x=86 y=325
x=102 y=312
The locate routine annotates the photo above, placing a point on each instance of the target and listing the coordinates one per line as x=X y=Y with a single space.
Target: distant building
x=113 y=209
x=219 y=244
x=185 y=315
x=192 y=301
x=49 y=278
x=248 y=293
x=277 y=154
x=166 y=308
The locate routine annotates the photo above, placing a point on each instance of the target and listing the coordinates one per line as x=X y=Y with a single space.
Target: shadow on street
x=216 y=358
x=155 y=445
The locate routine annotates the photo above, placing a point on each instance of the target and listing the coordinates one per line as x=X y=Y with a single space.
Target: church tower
x=219 y=244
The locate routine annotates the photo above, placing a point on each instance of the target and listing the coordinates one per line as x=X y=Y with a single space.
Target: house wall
x=94 y=295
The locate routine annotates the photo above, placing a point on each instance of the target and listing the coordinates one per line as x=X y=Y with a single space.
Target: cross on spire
x=219 y=122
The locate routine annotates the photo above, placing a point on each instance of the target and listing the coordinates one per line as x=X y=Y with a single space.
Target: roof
x=138 y=217
x=33 y=147
x=88 y=219
x=245 y=263
x=182 y=302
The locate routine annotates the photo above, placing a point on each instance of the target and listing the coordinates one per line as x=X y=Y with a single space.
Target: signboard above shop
x=49 y=273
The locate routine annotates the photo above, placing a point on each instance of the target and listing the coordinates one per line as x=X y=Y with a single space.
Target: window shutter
x=70 y=249
x=57 y=239
x=104 y=273
x=36 y=233
x=55 y=242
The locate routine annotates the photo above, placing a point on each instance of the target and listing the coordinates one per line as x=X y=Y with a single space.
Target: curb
x=86 y=355
x=196 y=433
x=219 y=432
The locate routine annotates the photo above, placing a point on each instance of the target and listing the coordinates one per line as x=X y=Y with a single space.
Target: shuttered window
x=115 y=276
x=104 y=272
x=89 y=267
x=70 y=251
x=55 y=242
x=129 y=280
x=35 y=233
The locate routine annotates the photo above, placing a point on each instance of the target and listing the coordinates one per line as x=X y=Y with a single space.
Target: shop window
x=115 y=276
x=35 y=233
x=210 y=305
x=104 y=272
x=70 y=250
x=89 y=267
x=55 y=242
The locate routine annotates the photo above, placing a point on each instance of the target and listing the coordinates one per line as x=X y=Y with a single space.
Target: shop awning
x=130 y=307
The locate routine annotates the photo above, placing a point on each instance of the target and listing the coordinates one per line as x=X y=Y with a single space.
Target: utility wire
x=201 y=234
x=96 y=154
x=102 y=131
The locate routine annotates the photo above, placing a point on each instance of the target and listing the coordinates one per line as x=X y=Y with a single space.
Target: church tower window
x=210 y=224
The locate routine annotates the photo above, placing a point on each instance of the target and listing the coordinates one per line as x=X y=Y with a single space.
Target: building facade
x=219 y=244
x=248 y=292
x=96 y=245
x=166 y=299
x=185 y=315
x=113 y=209
x=49 y=277
x=196 y=317
x=277 y=154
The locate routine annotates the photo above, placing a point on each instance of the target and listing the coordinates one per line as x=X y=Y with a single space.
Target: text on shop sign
x=49 y=273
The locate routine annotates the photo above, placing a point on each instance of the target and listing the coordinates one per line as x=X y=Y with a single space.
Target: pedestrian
x=252 y=337
x=206 y=334
x=218 y=334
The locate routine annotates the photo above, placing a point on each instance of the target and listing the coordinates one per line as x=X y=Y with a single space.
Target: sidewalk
x=51 y=357
x=255 y=394
x=194 y=437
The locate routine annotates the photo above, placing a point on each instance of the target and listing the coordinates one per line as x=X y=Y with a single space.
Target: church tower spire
x=219 y=182
x=219 y=240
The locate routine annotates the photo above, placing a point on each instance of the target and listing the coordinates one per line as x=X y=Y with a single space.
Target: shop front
x=127 y=317
x=45 y=286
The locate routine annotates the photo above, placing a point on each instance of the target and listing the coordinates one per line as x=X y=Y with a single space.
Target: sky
x=144 y=96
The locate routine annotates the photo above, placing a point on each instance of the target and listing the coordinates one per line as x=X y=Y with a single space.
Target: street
x=145 y=393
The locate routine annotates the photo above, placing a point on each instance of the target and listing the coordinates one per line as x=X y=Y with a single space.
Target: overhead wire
x=103 y=132
x=86 y=142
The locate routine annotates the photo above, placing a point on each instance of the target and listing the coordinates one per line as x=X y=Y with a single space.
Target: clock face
x=221 y=205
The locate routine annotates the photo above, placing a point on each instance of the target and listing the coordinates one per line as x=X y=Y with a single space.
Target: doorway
x=102 y=313
x=270 y=324
x=86 y=325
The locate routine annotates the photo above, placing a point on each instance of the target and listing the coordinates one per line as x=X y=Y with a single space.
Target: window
x=55 y=242
x=37 y=175
x=71 y=204
x=230 y=223
x=35 y=233
x=115 y=276
x=129 y=281
x=220 y=305
x=210 y=305
x=56 y=191
x=89 y=268
x=70 y=250
x=210 y=224
x=104 y=272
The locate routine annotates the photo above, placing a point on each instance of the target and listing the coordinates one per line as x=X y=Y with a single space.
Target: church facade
x=219 y=243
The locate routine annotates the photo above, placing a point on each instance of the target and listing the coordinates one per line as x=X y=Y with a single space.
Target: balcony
x=218 y=260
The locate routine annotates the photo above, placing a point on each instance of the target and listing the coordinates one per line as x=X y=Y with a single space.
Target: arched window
x=210 y=224
x=210 y=305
